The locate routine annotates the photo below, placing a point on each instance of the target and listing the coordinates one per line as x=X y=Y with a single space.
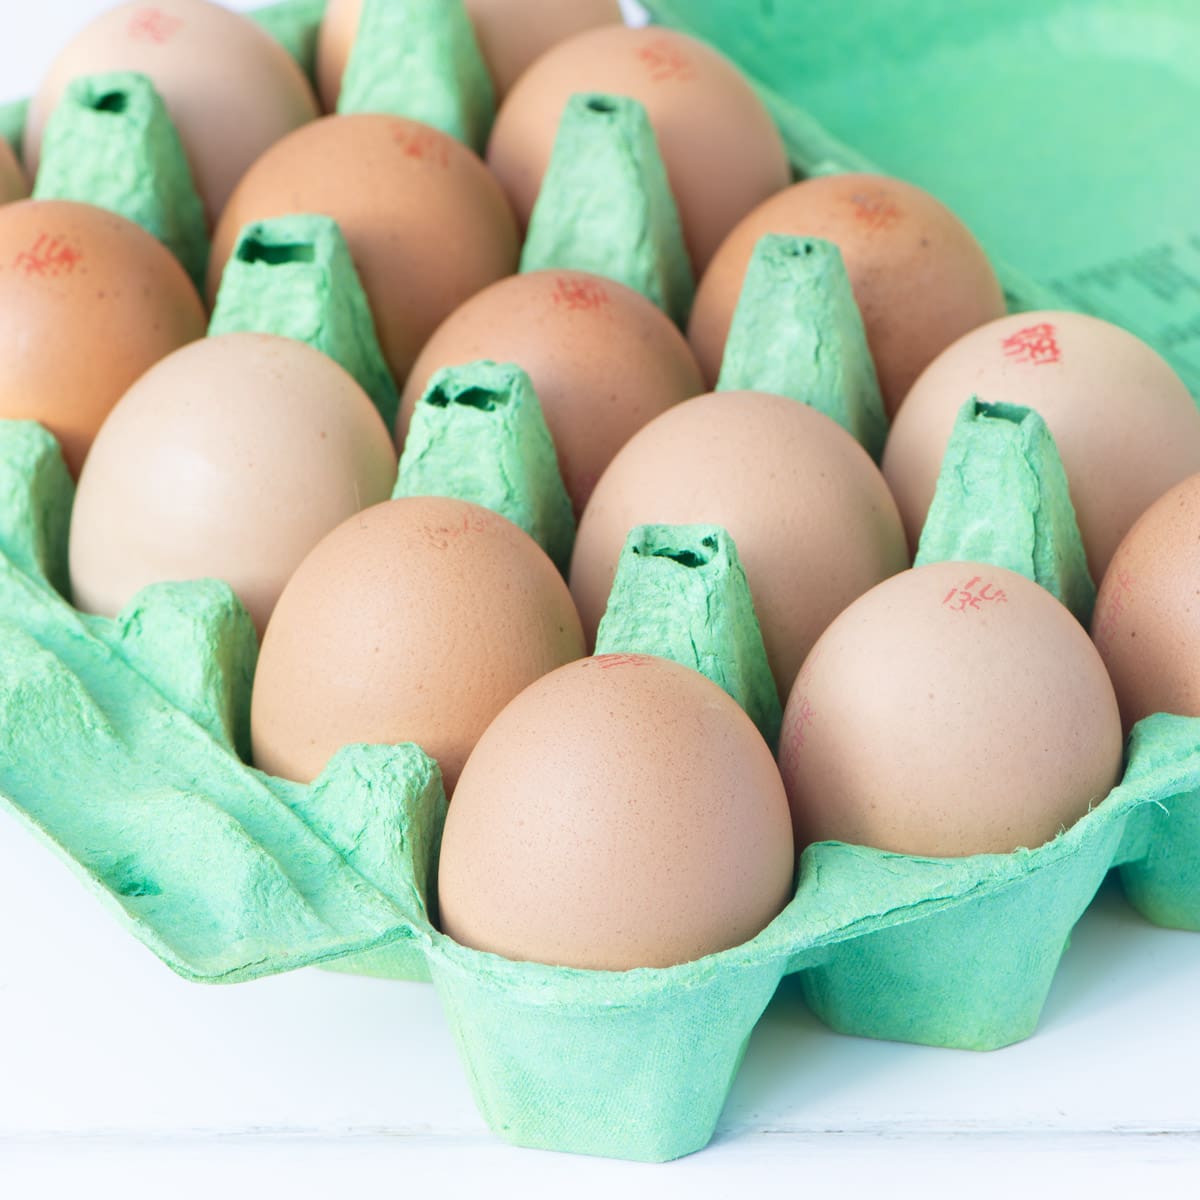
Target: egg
x=809 y=512
x=88 y=301
x=426 y=224
x=248 y=448
x=918 y=275
x=415 y=621
x=13 y=185
x=603 y=361
x=1146 y=623
x=955 y=709
x=1123 y=422
x=722 y=152
x=230 y=88
x=621 y=812
x=511 y=34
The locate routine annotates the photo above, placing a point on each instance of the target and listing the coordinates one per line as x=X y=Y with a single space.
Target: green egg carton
x=125 y=740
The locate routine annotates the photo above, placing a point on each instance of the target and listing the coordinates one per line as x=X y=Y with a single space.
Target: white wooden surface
x=117 y=1078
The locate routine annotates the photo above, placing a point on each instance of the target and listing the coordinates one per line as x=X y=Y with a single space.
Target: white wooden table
x=119 y=1079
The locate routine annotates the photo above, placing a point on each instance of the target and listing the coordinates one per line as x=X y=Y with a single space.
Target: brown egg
x=955 y=709
x=1123 y=421
x=621 y=812
x=812 y=519
x=230 y=88
x=248 y=450
x=511 y=34
x=722 y=152
x=425 y=222
x=13 y=185
x=603 y=359
x=88 y=301
x=1146 y=623
x=919 y=276
x=416 y=621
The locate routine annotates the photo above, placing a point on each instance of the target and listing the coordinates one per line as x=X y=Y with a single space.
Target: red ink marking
x=153 y=25
x=874 y=211
x=1036 y=346
x=1115 y=603
x=802 y=722
x=972 y=596
x=665 y=62
x=48 y=258
x=579 y=295
x=606 y=662
x=440 y=537
x=426 y=145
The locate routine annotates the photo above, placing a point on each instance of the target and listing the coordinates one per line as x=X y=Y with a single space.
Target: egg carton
x=125 y=741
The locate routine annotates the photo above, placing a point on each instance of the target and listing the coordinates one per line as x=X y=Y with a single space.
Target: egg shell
x=812 y=519
x=426 y=224
x=955 y=709
x=1123 y=422
x=230 y=88
x=416 y=620
x=919 y=276
x=249 y=449
x=1146 y=623
x=13 y=184
x=511 y=34
x=603 y=360
x=88 y=301
x=621 y=812
x=703 y=110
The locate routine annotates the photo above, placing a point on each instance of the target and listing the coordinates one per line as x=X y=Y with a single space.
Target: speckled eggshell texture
x=622 y=812
x=1123 y=422
x=88 y=301
x=955 y=709
x=722 y=152
x=13 y=184
x=230 y=459
x=603 y=361
x=511 y=34
x=230 y=88
x=1146 y=623
x=426 y=223
x=812 y=519
x=415 y=621
x=919 y=276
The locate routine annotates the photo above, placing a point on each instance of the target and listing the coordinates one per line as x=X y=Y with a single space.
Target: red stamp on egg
x=579 y=295
x=153 y=25
x=425 y=145
x=665 y=62
x=48 y=258
x=874 y=211
x=441 y=537
x=973 y=596
x=1035 y=346
x=608 y=662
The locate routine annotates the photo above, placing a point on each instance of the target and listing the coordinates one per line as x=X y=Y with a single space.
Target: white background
x=117 y=1077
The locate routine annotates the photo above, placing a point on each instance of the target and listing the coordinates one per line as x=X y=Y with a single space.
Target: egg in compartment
x=809 y=512
x=957 y=708
x=918 y=275
x=88 y=302
x=1124 y=423
x=602 y=358
x=426 y=224
x=620 y=812
x=13 y=184
x=415 y=621
x=722 y=152
x=511 y=35
x=1146 y=623
x=229 y=459
x=230 y=88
